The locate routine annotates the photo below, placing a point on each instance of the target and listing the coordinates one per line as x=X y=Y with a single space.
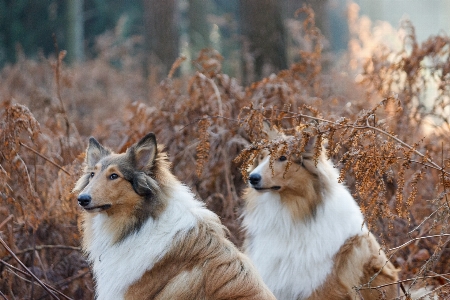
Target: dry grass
x=378 y=132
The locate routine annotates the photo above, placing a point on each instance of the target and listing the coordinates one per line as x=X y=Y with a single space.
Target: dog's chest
x=117 y=266
x=294 y=258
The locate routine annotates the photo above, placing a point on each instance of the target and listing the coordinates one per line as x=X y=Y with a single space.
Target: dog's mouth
x=98 y=208
x=273 y=188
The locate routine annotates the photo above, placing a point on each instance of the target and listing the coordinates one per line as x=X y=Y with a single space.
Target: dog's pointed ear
x=271 y=131
x=95 y=152
x=145 y=152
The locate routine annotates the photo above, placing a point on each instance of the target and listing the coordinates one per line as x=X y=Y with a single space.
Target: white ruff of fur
x=138 y=253
x=309 y=246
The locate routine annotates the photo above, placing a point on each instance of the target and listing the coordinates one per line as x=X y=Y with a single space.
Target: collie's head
x=297 y=178
x=127 y=186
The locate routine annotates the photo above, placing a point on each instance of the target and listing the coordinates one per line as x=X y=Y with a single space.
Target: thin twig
x=12 y=269
x=47 y=159
x=10 y=217
x=73 y=278
x=35 y=174
x=36 y=254
x=442 y=276
x=25 y=267
x=400 y=281
x=3 y=295
x=32 y=262
x=26 y=171
x=426 y=219
x=216 y=91
x=416 y=239
x=434 y=290
x=3 y=170
x=41 y=247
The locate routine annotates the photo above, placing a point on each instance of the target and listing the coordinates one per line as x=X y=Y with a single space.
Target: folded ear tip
x=92 y=140
x=150 y=136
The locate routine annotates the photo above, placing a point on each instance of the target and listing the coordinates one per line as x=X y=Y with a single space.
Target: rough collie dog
x=305 y=231
x=147 y=237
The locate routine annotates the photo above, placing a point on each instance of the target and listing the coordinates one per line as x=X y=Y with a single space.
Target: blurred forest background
x=370 y=77
x=267 y=31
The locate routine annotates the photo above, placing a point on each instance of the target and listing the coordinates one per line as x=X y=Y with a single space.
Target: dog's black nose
x=254 y=179
x=84 y=199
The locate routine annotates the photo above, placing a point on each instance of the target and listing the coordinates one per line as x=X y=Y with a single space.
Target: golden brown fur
x=359 y=262
x=201 y=265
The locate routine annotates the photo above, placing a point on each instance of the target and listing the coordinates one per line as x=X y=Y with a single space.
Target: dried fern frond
x=203 y=146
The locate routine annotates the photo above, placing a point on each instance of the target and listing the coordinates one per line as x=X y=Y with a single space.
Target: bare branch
x=29 y=272
x=416 y=239
x=12 y=268
x=47 y=159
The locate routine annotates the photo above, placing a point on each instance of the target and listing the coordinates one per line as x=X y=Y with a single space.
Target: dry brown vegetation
x=390 y=144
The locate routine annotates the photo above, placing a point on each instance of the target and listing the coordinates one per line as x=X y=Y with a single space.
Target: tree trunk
x=160 y=36
x=75 y=31
x=263 y=38
x=199 y=29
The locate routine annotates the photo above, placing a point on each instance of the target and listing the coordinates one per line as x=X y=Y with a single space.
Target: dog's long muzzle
x=84 y=200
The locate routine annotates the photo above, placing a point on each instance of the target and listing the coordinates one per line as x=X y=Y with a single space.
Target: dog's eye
x=113 y=176
x=92 y=174
x=282 y=158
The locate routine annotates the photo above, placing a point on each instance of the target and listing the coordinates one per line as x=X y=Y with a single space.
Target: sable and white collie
x=305 y=233
x=147 y=237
